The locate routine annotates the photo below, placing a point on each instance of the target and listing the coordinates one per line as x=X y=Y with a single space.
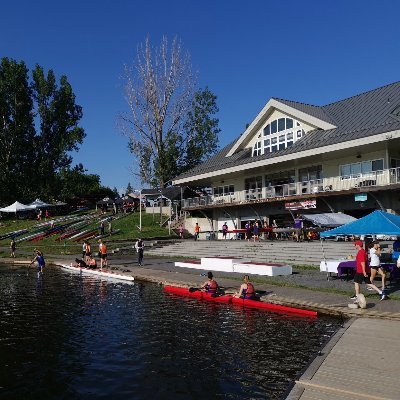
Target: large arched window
x=278 y=135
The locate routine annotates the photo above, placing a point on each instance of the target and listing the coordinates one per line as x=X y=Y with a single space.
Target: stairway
x=303 y=253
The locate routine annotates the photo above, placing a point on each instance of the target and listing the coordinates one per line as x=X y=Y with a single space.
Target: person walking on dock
x=362 y=272
x=103 y=254
x=139 y=246
x=375 y=263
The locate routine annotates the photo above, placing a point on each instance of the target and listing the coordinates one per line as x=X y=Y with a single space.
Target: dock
x=361 y=362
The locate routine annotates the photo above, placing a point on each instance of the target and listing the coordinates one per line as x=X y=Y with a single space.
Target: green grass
x=128 y=224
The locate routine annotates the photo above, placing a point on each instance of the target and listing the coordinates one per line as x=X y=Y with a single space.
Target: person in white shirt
x=375 y=263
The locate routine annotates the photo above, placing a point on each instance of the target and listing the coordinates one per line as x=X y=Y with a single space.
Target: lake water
x=66 y=336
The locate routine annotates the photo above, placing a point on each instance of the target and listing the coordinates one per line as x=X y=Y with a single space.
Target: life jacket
x=103 y=249
x=88 y=248
x=249 y=293
x=212 y=287
x=93 y=263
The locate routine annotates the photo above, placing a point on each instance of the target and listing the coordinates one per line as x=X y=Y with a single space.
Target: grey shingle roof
x=366 y=114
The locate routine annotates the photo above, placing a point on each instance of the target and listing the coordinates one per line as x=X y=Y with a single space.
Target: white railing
x=385 y=177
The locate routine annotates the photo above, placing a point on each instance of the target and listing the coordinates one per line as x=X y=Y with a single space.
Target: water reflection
x=67 y=336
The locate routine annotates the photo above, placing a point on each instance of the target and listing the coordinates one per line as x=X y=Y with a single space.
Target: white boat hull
x=98 y=273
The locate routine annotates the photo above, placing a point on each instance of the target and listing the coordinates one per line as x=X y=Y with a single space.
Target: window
x=253 y=186
x=355 y=170
x=274 y=127
x=280 y=136
x=281 y=124
x=310 y=173
x=257 y=149
x=224 y=190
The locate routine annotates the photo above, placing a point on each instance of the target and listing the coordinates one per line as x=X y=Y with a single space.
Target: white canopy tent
x=15 y=207
x=39 y=204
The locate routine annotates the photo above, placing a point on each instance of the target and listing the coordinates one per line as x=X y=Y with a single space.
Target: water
x=66 y=336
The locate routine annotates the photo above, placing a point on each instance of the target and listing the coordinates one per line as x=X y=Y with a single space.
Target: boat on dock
x=98 y=272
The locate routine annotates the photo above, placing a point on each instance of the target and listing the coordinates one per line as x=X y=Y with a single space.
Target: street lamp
x=140 y=210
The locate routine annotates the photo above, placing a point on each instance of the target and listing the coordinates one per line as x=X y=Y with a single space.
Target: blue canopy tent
x=376 y=223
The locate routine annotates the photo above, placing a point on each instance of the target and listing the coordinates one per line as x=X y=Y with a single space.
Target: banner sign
x=301 y=205
x=361 y=197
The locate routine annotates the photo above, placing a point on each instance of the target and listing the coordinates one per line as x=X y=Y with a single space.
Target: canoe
x=97 y=272
x=197 y=294
x=241 y=302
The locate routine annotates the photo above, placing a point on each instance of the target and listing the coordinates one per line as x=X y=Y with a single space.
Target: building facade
x=301 y=158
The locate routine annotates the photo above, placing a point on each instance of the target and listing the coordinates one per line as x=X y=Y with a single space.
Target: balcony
x=381 y=178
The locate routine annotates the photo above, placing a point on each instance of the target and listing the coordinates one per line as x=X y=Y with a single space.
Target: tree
x=17 y=132
x=202 y=130
x=159 y=90
x=59 y=131
x=129 y=188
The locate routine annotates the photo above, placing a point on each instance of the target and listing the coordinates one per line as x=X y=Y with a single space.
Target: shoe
x=369 y=288
x=384 y=297
x=353 y=297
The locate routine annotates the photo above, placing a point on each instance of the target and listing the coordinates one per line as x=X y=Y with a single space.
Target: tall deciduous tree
x=17 y=132
x=59 y=131
x=159 y=90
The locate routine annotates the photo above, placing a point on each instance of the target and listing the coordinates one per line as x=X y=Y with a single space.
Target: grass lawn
x=128 y=224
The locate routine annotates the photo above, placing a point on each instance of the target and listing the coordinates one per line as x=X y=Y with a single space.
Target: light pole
x=140 y=210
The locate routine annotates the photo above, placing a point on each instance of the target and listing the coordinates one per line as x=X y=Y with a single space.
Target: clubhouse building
x=302 y=158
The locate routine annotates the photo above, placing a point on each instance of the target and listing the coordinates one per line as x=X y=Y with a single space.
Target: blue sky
x=311 y=51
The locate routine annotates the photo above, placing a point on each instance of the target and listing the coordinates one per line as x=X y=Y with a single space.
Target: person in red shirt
x=363 y=272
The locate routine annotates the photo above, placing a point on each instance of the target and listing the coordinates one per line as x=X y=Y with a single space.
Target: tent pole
x=323 y=254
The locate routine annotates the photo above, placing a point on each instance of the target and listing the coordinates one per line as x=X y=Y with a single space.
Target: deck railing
x=385 y=177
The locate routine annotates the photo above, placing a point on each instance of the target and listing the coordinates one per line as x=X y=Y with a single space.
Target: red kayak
x=272 y=307
x=197 y=294
x=180 y=291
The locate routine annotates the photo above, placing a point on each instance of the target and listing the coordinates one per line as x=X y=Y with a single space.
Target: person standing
x=102 y=228
x=224 y=230
x=139 y=246
x=88 y=252
x=39 y=258
x=103 y=254
x=256 y=231
x=84 y=250
x=110 y=227
x=181 y=232
x=362 y=272
x=248 y=230
x=13 y=247
x=375 y=263
x=196 y=231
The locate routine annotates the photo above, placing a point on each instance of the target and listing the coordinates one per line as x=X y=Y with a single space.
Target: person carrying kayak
x=211 y=285
x=247 y=290
x=40 y=260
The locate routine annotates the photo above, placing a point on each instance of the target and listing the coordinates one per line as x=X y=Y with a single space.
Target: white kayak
x=97 y=272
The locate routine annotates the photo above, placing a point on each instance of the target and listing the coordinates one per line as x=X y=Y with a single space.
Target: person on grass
x=13 y=247
x=362 y=272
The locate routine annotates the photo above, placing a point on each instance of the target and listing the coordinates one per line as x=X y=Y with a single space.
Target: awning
x=329 y=219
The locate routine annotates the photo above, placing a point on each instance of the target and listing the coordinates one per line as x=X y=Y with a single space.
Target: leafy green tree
x=129 y=188
x=59 y=132
x=75 y=182
x=17 y=133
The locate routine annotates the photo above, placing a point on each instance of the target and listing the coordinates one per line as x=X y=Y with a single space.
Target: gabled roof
x=355 y=118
